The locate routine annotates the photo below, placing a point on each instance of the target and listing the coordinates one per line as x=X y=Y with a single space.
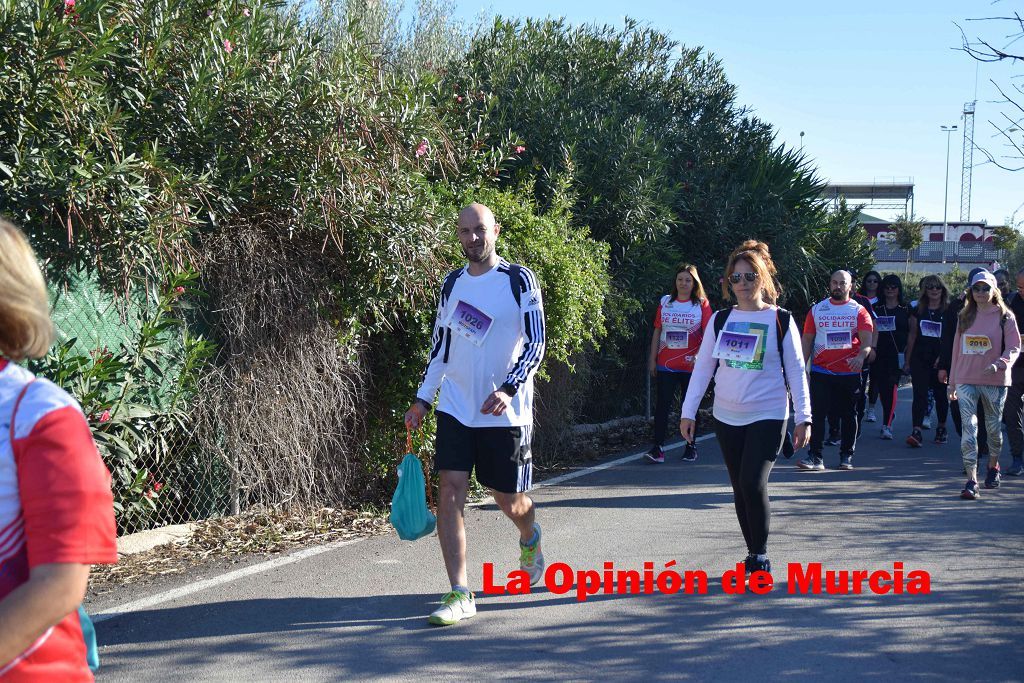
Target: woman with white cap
x=985 y=346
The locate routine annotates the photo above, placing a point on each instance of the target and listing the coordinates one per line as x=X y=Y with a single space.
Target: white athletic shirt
x=747 y=392
x=483 y=339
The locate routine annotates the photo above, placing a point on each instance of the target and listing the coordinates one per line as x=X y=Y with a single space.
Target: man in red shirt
x=837 y=337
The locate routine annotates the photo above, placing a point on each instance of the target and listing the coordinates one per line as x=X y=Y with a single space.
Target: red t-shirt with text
x=681 y=326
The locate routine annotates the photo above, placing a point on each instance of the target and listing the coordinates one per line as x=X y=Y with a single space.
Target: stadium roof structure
x=876 y=195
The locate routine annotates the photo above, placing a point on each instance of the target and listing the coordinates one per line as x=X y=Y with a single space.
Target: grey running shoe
x=531 y=559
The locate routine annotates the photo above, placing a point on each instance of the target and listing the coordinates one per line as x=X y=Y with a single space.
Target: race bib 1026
x=470 y=322
x=976 y=344
x=737 y=346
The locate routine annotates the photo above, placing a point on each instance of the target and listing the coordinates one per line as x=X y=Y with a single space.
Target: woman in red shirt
x=56 y=507
x=679 y=327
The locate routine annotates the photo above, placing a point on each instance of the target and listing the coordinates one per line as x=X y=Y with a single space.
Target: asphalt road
x=359 y=611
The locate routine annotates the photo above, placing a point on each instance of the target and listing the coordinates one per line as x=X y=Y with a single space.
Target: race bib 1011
x=976 y=344
x=737 y=346
x=470 y=322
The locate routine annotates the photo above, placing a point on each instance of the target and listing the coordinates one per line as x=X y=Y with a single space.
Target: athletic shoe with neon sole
x=970 y=491
x=915 y=439
x=531 y=559
x=455 y=606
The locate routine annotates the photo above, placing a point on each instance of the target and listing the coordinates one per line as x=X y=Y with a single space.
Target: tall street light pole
x=945 y=203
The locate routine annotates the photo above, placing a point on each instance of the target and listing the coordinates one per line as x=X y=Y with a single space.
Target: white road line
x=193 y=588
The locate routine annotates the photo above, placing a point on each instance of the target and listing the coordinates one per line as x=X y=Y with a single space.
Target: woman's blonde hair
x=697 y=293
x=25 y=327
x=756 y=254
x=970 y=311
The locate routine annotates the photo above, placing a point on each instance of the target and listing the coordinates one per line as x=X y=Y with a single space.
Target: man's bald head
x=476 y=214
x=840 y=285
x=478 y=232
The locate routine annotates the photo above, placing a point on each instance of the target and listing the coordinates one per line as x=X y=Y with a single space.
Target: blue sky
x=869 y=83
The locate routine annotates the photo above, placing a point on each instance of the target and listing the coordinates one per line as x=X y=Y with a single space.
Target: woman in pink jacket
x=985 y=346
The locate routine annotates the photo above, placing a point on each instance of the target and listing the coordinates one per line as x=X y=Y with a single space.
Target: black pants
x=954 y=407
x=749 y=452
x=838 y=395
x=667 y=383
x=923 y=376
x=885 y=380
x=866 y=381
x=1013 y=413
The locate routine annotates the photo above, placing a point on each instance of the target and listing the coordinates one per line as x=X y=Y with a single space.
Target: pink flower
x=519 y=149
x=69 y=7
x=245 y=12
x=228 y=47
x=179 y=289
x=157 y=486
x=422 y=149
x=458 y=98
x=105 y=417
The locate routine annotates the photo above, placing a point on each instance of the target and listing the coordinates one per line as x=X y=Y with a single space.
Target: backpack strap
x=17 y=403
x=782 y=321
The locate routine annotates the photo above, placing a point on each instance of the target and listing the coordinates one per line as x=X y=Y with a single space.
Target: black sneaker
x=970 y=491
x=941 y=436
x=992 y=479
x=833 y=439
x=757 y=565
x=846 y=462
x=655 y=455
x=915 y=439
x=690 y=452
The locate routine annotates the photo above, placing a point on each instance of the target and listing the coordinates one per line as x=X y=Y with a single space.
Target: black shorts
x=501 y=455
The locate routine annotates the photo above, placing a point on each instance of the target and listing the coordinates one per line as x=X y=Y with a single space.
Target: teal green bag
x=410 y=515
x=92 y=653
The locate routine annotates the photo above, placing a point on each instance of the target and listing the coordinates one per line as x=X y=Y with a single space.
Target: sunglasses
x=892 y=286
x=736 y=278
x=933 y=286
x=981 y=288
x=871 y=282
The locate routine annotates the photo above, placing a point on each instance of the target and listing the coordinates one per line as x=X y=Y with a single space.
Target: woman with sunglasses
x=871 y=287
x=891 y=331
x=679 y=327
x=924 y=343
x=984 y=349
x=752 y=394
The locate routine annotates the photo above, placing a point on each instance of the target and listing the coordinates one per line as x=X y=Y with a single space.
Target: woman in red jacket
x=56 y=508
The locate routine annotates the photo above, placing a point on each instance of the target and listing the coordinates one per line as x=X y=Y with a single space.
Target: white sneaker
x=455 y=606
x=531 y=559
x=886 y=433
x=869 y=416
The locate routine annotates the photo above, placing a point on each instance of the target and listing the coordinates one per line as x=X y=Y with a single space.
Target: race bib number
x=886 y=323
x=842 y=339
x=976 y=344
x=677 y=340
x=737 y=346
x=470 y=322
x=930 y=328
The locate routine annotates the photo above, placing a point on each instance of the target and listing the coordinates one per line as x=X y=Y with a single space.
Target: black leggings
x=749 y=452
x=886 y=382
x=923 y=376
x=666 y=388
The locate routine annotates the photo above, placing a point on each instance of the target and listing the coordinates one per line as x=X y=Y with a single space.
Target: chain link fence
x=141 y=420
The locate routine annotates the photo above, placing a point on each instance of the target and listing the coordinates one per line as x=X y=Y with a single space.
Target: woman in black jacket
x=892 y=323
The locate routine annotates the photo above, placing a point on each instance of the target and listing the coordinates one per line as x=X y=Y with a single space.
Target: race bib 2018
x=976 y=344
x=470 y=322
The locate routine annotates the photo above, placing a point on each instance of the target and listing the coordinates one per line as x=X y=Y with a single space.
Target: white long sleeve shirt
x=751 y=389
x=483 y=339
